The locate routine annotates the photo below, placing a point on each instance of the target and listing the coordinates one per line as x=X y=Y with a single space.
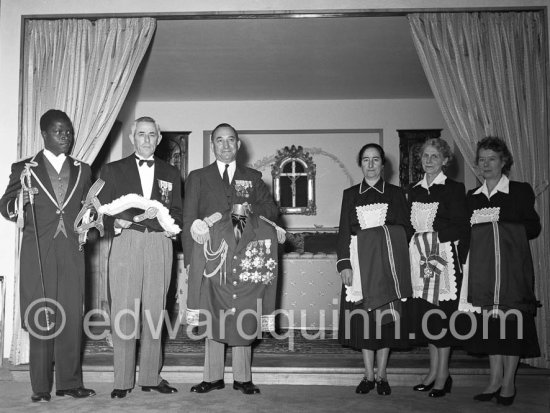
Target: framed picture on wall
x=410 y=163
x=173 y=149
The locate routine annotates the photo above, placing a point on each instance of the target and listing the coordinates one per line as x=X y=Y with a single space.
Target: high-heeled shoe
x=365 y=386
x=442 y=392
x=383 y=387
x=506 y=400
x=424 y=387
x=487 y=397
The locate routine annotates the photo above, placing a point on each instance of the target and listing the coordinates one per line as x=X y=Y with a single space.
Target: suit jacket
x=249 y=274
x=47 y=220
x=205 y=194
x=122 y=177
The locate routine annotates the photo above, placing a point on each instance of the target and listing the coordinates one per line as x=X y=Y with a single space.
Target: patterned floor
x=313 y=342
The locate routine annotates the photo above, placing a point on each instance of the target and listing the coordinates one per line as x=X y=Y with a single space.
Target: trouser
x=140 y=266
x=62 y=343
x=214 y=353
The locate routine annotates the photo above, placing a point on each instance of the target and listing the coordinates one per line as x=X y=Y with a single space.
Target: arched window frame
x=294 y=155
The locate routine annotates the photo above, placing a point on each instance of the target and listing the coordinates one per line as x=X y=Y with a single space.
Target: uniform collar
x=502 y=186
x=439 y=180
x=378 y=186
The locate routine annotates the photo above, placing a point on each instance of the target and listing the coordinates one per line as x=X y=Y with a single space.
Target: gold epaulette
x=281 y=233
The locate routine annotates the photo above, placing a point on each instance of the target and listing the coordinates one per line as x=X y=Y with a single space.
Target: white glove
x=200 y=231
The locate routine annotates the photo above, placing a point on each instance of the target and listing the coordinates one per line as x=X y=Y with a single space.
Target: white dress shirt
x=56 y=161
x=147 y=176
x=230 y=170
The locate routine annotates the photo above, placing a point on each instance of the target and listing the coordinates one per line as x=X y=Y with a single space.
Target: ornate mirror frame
x=294 y=155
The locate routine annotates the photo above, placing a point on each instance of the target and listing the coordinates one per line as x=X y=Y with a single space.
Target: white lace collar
x=439 y=180
x=502 y=186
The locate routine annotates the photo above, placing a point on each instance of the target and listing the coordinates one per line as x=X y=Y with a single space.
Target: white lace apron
x=369 y=216
x=432 y=266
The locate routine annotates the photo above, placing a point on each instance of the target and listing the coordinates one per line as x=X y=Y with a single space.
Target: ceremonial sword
x=28 y=187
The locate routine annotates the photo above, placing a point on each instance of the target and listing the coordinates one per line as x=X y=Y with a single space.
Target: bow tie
x=148 y=162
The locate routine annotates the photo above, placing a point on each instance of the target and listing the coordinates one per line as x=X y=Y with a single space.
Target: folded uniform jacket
x=383 y=254
x=233 y=284
x=501 y=272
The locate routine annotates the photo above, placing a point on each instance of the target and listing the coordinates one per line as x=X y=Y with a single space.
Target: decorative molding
x=266 y=161
x=319 y=151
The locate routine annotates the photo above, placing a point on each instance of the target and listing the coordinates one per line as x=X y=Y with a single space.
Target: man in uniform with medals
x=230 y=248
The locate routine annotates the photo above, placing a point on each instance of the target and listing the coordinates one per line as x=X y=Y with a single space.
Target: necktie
x=148 y=162
x=226 y=175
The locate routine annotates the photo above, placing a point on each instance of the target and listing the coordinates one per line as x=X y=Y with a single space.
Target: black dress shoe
x=162 y=387
x=442 y=392
x=247 y=387
x=486 y=397
x=365 y=386
x=78 y=393
x=41 y=397
x=383 y=387
x=120 y=393
x=424 y=387
x=206 y=386
x=506 y=400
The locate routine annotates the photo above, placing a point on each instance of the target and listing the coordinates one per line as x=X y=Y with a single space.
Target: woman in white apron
x=439 y=217
x=373 y=262
x=500 y=276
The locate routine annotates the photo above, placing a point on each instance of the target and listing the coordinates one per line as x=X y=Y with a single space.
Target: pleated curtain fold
x=487 y=73
x=84 y=68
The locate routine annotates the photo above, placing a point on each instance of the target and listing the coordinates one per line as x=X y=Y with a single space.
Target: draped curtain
x=84 y=68
x=487 y=73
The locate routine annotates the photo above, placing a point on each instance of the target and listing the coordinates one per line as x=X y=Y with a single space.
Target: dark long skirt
x=360 y=329
x=516 y=335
